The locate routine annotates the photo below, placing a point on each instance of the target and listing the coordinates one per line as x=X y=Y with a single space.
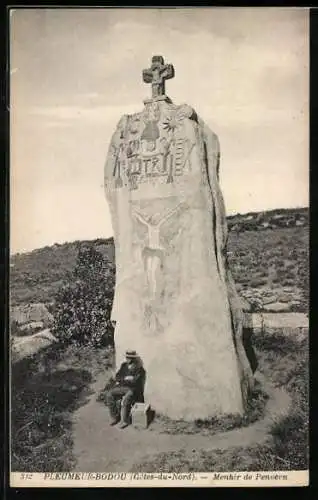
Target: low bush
x=83 y=305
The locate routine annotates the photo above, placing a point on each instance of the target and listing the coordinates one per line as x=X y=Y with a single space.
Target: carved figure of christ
x=153 y=253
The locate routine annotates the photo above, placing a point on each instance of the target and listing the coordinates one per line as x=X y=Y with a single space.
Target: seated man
x=129 y=386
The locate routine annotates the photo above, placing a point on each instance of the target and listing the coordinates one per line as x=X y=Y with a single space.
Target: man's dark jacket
x=136 y=384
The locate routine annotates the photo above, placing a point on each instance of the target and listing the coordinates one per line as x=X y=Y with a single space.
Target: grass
x=278 y=259
x=284 y=361
x=46 y=390
x=37 y=276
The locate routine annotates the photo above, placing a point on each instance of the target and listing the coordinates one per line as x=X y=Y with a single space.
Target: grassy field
x=272 y=257
x=36 y=276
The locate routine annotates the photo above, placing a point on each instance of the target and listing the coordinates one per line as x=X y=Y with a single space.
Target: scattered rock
x=32 y=326
x=23 y=347
x=269 y=299
x=30 y=313
x=284 y=298
x=276 y=307
x=284 y=322
x=295 y=303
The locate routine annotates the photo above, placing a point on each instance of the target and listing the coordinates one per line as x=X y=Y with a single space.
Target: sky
x=75 y=72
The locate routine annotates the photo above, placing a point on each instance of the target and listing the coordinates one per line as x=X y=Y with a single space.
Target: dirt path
x=101 y=448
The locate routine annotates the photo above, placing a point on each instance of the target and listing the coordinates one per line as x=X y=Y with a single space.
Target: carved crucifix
x=153 y=252
x=157 y=74
x=153 y=255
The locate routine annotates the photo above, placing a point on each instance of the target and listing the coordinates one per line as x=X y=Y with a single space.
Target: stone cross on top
x=157 y=74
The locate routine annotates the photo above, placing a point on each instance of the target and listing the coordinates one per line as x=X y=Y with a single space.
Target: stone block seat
x=141 y=415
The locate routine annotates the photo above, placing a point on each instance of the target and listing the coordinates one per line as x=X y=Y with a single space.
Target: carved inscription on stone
x=152 y=148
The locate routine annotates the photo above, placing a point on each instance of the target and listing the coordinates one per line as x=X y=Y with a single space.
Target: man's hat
x=131 y=354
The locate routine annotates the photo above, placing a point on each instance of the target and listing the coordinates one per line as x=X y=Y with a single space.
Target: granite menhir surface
x=175 y=300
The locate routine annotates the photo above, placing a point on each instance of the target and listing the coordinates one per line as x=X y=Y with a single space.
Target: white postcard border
x=159 y=479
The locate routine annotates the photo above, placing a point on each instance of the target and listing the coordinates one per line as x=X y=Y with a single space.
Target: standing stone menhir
x=175 y=300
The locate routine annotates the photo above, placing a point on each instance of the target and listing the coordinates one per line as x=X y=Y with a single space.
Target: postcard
x=159 y=247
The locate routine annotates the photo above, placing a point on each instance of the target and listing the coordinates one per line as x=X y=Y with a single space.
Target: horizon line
x=24 y=252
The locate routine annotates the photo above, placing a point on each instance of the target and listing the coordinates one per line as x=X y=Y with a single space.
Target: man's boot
x=122 y=425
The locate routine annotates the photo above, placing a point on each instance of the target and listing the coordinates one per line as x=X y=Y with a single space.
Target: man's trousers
x=126 y=395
